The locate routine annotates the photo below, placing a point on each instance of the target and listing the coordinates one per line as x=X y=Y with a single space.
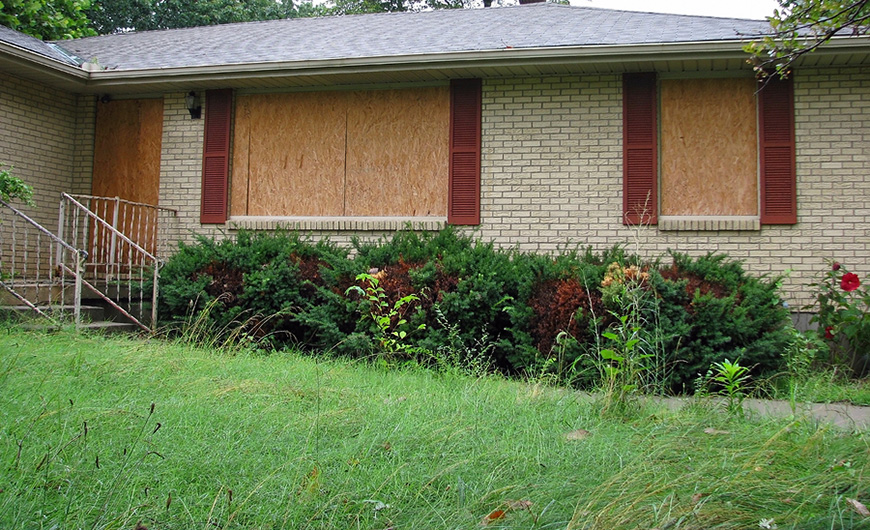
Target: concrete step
x=46 y=293
x=112 y=327
x=100 y=327
x=90 y=313
x=95 y=314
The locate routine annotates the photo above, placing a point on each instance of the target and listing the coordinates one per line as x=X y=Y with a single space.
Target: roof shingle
x=541 y=25
x=33 y=44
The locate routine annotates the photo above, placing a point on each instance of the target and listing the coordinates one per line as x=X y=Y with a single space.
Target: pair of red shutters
x=463 y=205
x=640 y=179
x=778 y=201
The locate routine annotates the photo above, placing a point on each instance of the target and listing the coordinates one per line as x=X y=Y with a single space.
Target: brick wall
x=39 y=138
x=552 y=176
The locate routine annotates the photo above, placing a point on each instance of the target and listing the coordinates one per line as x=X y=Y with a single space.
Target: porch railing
x=140 y=222
x=117 y=236
x=37 y=268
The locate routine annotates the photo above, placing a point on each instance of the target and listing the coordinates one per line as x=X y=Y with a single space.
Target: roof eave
x=35 y=65
x=473 y=60
x=434 y=66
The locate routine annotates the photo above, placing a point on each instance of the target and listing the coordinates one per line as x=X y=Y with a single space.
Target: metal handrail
x=42 y=229
x=108 y=226
x=81 y=256
x=79 y=196
x=110 y=245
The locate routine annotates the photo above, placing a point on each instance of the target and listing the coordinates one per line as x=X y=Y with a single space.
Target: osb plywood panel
x=397 y=152
x=239 y=171
x=127 y=148
x=709 y=147
x=289 y=152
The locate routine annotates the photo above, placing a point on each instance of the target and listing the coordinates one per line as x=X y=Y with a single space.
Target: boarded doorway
x=127 y=149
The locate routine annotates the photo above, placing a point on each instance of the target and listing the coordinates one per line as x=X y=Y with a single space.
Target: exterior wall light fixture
x=191 y=101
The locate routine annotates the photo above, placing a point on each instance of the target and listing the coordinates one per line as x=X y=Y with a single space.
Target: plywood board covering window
x=709 y=147
x=361 y=153
x=127 y=147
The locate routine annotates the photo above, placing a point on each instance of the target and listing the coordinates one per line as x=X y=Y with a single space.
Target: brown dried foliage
x=556 y=304
x=696 y=283
x=309 y=271
x=226 y=283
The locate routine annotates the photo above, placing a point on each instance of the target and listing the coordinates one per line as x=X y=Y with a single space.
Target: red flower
x=836 y=266
x=850 y=282
x=828 y=334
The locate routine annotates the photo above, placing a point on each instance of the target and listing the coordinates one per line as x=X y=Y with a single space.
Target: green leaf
x=610 y=355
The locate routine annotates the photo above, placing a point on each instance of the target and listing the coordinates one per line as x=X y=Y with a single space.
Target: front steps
x=96 y=315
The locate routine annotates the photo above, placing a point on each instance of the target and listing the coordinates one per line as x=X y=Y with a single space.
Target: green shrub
x=712 y=310
x=458 y=293
x=279 y=286
x=12 y=187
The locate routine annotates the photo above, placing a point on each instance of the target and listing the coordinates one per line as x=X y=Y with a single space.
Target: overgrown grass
x=820 y=386
x=100 y=433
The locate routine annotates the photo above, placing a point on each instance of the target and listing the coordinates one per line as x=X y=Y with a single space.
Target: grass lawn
x=102 y=433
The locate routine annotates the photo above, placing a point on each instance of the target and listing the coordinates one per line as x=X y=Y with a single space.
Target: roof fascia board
x=579 y=55
x=453 y=60
x=41 y=63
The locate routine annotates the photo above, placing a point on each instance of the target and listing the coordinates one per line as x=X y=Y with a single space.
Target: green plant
x=730 y=379
x=271 y=288
x=622 y=365
x=457 y=355
x=281 y=290
x=711 y=309
x=12 y=187
x=389 y=319
x=842 y=308
x=307 y=442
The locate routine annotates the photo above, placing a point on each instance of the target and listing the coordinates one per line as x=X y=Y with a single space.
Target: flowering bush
x=843 y=315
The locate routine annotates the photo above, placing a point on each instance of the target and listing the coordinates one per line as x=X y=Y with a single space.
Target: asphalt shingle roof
x=33 y=44
x=403 y=34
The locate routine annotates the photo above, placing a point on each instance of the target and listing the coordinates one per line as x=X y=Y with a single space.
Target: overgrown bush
x=530 y=313
x=275 y=287
x=712 y=310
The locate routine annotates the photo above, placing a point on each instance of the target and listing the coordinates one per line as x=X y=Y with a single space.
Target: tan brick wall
x=39 y=139
x=180 y=172
x=86 y=118
x=552 y=176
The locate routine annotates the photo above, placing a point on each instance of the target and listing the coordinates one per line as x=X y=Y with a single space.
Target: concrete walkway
x=842 y=415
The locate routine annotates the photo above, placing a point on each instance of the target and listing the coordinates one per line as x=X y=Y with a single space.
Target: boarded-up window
x=709 y=147
x=372 y=153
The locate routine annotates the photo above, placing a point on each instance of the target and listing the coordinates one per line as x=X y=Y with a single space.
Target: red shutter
x=639 y=149
x=777 y=153
x=463 y=206
x=216 y=156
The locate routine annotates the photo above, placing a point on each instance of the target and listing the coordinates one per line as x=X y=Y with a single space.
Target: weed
x=622 y=366
x=389 y=319
x=730 y=381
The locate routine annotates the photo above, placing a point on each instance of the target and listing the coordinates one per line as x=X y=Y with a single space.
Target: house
x=538 y=126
